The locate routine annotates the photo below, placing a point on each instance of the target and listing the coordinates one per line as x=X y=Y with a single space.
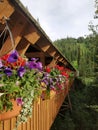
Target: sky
x=62 y=18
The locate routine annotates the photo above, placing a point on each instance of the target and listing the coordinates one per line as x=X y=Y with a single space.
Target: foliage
x=80 y=52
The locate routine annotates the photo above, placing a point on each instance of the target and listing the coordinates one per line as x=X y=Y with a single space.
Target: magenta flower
x=21 y=71
x=19 y=101
x=13 y=57
x=8 y=71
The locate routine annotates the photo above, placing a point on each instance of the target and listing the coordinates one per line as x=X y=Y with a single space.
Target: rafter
x=31 y=34
x=22 y=46
x=52 y=63
x=43 y=44
x=51 y=51
x=5 y=9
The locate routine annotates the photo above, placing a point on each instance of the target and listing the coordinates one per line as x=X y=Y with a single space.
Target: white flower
x=1 y=94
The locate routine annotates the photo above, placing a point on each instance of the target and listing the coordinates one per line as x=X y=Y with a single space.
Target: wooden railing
x=43 y=115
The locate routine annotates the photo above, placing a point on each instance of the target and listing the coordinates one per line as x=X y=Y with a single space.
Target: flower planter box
x=9 y=114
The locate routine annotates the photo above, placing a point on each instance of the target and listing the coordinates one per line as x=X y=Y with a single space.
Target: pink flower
x=19 y=101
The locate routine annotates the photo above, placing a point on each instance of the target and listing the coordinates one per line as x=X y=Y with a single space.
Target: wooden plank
x=52 y=63
x=45 y=116
x=41 y=115
x=48 y=113
x=31 y=123
x=33 y=119
x=31 y=34
x=37 y=115
x=28 y=124
x=22 y=46
x=34 y=54
x=56 y=56
x=34 y=114
x=1 y=125
x=13 y=121
x=60 y=59
x=5 y=9
x=7 y=125
x=38 y=102
x=43 y=44
x=24 y=126
x=51 y=50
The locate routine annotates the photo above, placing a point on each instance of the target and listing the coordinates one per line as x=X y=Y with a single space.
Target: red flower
x=5 y=60
x=21 y=61
x=5 y=57
x=59 y=67
x=48 y=70
x=65 y=74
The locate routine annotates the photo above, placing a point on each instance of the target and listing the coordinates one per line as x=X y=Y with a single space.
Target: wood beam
x=65 y=62
x=56 y=56
x=16 y=32
x=22 y=46
x=60 y=59
x=5 y=9
x=52 y=63
x=52 y=51
x=33 y=54
x=43 y=44
x=31 y=34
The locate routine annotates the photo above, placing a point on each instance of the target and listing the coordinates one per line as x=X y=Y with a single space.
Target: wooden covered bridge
x=31 y=40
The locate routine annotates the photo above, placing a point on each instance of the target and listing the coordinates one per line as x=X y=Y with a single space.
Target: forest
x=82 y=53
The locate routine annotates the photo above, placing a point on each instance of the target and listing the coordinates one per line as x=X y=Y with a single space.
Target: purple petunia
x=32 y=65
x=13 y=57
x=21 y=71
x=8 y=71
x=39 y=66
